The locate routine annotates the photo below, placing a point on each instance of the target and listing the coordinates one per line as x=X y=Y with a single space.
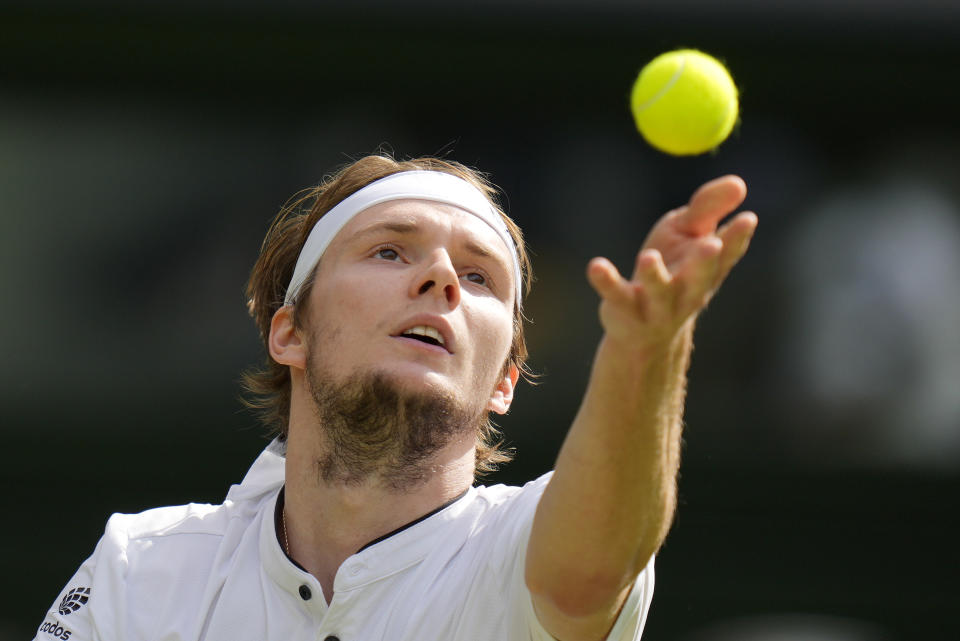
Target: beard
x=376 y=431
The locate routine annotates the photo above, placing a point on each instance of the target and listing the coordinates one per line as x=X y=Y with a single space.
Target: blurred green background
x=144 y=147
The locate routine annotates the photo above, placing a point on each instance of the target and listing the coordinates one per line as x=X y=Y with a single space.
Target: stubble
x=374 y=430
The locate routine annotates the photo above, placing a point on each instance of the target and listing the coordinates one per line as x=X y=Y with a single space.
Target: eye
x=387 y=253
x=476 y=278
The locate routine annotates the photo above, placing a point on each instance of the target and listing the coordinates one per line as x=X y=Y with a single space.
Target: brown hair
x=268 y=388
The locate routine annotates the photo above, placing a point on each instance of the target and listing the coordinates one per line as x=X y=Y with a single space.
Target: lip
x=431 y=320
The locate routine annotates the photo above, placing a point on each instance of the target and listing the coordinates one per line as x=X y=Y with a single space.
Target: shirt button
x=354 y=571
x=305 y=593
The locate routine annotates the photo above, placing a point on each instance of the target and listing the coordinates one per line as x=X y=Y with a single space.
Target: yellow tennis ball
x=684 y=102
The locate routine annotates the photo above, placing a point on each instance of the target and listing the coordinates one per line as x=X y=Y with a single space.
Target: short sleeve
x=91 y=602
x=629 y=624
x=513 y=525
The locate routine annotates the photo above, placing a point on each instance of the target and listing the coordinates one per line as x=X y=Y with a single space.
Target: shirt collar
x=264 y=476
x=378 y=559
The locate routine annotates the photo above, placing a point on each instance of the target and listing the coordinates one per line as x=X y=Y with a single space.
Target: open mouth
x=425 y=334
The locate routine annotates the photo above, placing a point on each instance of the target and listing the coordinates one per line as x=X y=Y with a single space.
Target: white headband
x=436 y=186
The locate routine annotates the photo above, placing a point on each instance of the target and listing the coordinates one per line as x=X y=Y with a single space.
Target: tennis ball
x=684 y=102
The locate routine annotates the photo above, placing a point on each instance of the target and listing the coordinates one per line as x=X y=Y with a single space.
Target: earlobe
x=285 y=344
x=503 y=393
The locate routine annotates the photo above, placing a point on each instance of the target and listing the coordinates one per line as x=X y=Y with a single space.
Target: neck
x=328 y=522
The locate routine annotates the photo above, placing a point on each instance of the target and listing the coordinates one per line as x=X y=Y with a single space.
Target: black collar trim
x=278 y=520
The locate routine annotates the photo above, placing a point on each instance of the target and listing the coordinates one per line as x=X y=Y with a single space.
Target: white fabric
x=435 y=186
x=217 y=572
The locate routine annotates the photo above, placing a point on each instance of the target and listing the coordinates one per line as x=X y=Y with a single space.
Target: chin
x=417 y=380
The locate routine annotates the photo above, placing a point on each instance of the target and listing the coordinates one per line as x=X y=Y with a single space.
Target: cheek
x=352 y=302
x=493 y=333
x=347 y=298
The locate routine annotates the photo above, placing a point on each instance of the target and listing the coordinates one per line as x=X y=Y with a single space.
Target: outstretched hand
x=683 y=261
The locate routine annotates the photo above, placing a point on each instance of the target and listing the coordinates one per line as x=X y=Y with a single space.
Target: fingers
x=606 y=280
x=736 y=236
x=650 y=281
x=650 y=268
x=683 y=263
x=643 y=299
x=715 y=255
x=710 y=204
x=662 y=296
x=697 y=278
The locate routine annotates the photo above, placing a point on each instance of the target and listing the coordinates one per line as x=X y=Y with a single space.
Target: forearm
x=612 y=496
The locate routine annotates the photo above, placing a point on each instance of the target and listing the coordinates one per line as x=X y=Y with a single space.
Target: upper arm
x=71 y=617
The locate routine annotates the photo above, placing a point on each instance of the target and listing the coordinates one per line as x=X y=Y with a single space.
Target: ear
x=285 y=343
x=503 y=393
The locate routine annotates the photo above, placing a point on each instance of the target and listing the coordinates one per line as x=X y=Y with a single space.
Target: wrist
x=651 y=346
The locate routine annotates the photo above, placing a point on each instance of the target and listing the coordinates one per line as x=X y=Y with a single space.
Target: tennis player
x=390 y=303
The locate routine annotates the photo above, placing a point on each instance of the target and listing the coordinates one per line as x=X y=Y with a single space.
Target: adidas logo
x=74 y=599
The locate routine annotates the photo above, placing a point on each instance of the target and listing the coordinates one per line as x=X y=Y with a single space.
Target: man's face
x=420 y=293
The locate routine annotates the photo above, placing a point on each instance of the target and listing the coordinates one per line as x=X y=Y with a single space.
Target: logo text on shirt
x=56 y=630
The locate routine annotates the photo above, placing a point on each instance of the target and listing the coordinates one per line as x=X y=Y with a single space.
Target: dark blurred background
x=144 y=147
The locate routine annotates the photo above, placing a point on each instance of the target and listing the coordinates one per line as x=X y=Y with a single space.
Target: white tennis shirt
x=217 y=572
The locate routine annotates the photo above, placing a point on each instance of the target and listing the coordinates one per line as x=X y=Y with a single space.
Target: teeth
x=423 y=330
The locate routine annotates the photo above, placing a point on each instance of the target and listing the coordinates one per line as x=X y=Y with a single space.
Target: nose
x=439 y=278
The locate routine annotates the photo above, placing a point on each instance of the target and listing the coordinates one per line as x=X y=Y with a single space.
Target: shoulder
x=162 y=558
x=199 y=524
x=510 y=503
x=192 y=519
x=501 y=515
x=505 y=497
x=158 y=566
x=193 y=537
x=190 y=535
x=180 y=526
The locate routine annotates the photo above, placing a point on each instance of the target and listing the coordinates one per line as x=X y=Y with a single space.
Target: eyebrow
x=396 y=226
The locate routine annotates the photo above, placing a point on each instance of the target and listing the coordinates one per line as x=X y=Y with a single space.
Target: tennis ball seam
x=667 y=86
